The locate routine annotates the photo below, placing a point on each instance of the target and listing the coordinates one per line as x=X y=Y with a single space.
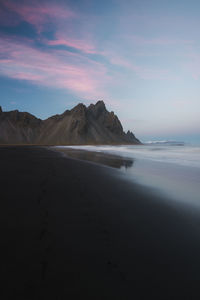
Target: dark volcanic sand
x=73 y=230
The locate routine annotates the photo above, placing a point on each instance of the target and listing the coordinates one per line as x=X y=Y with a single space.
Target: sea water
x=172 y=169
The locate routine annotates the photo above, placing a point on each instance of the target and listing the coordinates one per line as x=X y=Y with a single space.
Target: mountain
x=18 y=127
x=80 y=125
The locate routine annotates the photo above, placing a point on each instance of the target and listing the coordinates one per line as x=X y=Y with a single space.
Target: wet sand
x=111 y=160
x=71 y=229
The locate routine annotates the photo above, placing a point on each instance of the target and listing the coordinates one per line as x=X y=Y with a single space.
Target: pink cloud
x=7 y=19
x=82 y=45
x=59 y=69
x=38 y=13
x=25 y=76
x=41 y=14
x=117 y=60
x=141 y=71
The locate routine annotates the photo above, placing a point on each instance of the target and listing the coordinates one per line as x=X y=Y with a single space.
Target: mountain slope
x=18 y=127
x=81 y=125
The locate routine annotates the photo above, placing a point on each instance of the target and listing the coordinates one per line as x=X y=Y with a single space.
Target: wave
x=174 y=171
x=186 y=155
x=165 y=142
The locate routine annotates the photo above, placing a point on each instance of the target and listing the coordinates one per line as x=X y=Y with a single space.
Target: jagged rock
x=97 y=109
x=131 y=136
x=80 y=125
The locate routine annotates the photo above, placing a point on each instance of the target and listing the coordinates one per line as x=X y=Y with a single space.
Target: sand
x=72 y=229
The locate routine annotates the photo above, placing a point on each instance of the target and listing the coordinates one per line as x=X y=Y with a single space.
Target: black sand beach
x=72 y=230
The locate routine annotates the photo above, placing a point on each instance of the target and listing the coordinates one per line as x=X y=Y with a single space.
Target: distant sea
x=169 y=168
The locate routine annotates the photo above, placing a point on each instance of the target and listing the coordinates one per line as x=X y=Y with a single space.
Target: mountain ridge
x=80 y=125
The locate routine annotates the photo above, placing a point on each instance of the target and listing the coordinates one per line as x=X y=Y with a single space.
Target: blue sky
x=141 y=57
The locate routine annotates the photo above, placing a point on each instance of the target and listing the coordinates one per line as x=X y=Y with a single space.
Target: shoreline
x=97 y=158
x=74 y=229
x=68 y=145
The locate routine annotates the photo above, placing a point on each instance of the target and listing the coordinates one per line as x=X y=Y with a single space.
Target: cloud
x=48 y=65
x=53 y=68
x=158 y=41
x=57 y=18
x=79 y=44
x=142 y=72
x=37 y=13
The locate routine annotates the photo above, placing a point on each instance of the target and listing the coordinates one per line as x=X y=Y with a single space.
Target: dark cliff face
x=81 y=125
x=107 y=119
x=18 y=127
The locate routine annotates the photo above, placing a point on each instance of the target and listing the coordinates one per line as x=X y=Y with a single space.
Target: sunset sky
x=141 y=57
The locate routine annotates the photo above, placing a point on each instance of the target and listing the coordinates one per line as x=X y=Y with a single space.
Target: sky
x=142 y=57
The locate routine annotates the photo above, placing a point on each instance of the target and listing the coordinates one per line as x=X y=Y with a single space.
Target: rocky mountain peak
x=80 y=125
x=132 y=137
x=100 y=103
x=97 y=109
x=79 y=109
x=130 y=134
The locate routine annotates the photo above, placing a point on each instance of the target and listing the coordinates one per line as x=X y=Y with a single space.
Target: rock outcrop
x=80 y=125
x=18 y=127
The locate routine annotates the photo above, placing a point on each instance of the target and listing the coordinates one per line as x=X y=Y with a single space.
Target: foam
x=180 y=155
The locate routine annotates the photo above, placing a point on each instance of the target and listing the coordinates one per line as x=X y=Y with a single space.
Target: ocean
x=169 y=168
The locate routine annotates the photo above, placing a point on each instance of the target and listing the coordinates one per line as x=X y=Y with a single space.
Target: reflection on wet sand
x=99 y=157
